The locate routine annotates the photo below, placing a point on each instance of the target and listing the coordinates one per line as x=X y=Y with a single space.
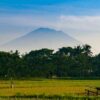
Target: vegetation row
x=76 y=62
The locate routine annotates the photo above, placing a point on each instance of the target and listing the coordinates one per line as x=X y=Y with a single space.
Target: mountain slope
x=41 y=38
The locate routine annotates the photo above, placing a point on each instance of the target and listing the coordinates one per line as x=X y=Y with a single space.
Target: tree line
x=66 y=62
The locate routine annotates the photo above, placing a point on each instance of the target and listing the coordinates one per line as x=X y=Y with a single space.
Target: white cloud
x=84 y=28
x=88 y=23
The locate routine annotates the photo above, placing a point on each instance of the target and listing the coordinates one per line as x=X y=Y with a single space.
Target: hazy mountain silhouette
x=41 y=38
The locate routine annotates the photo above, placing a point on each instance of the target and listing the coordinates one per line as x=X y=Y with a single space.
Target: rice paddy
x=46 y=87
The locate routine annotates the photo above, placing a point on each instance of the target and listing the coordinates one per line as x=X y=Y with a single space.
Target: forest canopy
x=66 y=62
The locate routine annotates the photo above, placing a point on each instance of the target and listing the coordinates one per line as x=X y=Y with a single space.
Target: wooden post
x=11 y=84
x=88 y=93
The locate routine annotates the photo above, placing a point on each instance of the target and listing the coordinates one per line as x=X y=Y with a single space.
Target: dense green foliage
x=66 y=62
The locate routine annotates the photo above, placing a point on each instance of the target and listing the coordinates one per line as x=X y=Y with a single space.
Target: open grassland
x=47 y=87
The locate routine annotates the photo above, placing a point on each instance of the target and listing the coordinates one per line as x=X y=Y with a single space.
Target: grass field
x=47 y=87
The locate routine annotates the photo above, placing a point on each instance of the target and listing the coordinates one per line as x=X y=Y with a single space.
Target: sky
x=78 y=18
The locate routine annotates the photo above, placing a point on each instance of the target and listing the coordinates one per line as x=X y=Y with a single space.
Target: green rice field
x=46 y=87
